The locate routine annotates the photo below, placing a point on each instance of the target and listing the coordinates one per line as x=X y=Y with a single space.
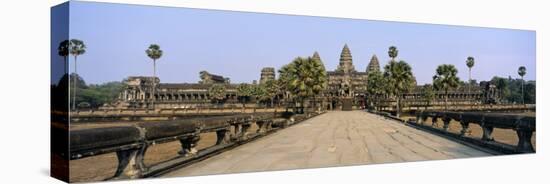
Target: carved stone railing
x=130 y=143
x=438 y=106
x=168 y=114
x=524 y=126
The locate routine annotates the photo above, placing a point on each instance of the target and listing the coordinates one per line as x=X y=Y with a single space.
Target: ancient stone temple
x=345 y=83
x=268 y=73
x=207 y=78
x=346 y=90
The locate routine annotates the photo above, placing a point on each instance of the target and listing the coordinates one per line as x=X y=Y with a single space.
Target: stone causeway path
x=336 y=138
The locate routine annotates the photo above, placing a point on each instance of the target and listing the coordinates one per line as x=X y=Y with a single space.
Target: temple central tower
x=346 y=63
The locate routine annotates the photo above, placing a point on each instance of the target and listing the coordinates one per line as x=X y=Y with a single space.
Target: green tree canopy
x=375 y=85
x=446 y=79
x=393 y=52
x=216 y=92
x=428 y=94
x=304 y=78
x=399 y=79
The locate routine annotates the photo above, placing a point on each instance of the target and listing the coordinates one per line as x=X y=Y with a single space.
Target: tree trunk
x=154 y=83
x=398 y=106
x=75 y=86
x=446 y=97
x=522 y=95
x=427 y=104
x=65 y=64
x=469 y=79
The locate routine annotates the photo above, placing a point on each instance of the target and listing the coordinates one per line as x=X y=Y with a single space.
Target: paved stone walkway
x=337 y=138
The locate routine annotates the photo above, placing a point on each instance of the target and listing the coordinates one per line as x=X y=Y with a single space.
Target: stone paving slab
x=336 y=138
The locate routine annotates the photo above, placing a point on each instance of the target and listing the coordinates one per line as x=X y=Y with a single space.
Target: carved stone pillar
x=487 y=133
x=434 y=121
x=238 y=131
x=524 y=142
x=446 y=122
x=261 y=127
x=130 y=163
x=189 y=144
x=465 y=128
x=223 y=136
x=244 y=134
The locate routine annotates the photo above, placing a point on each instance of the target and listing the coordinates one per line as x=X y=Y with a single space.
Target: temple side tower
x=374 y=65
x=317 y=57
x=268 y=73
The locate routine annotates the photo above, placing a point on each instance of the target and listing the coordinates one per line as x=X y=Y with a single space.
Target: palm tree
x=63 y=51
x=428 y=94
x=522 y=71
x=470 y=63
x=217 y=92
x=399 y=79
x=154 y=53
x=76 y=48
x=270 y=90
x=306 y=78
x=393 y=52
x=375 y=83
x=244 y=93
x=446 y=79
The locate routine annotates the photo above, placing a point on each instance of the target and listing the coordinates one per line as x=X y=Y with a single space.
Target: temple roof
x=318 y=57
x=346 y=63
x=374 y=65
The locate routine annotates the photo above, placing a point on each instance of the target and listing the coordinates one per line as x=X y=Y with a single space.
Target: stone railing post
x=130 y=163
x=223 y=136
x=524 y=142
x=419 y=119
x=465 y=127
x=189 y=144
x=237 y=131
x=487 y=132
x=446 y=122
x=244 y=130
x=261 y=126
x=434 y=121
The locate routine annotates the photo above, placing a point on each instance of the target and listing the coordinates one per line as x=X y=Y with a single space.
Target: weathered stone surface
x=336 y=138
x=103 y=137
x=167 y=129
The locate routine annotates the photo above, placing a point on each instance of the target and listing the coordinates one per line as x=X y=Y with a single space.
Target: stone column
x=446 y=122
x=465 y=127
x=130 y=163
x=188 y=145
x=487 y=132
x=223 y=136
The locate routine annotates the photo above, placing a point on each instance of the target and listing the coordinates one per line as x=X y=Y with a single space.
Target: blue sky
x=238 y=44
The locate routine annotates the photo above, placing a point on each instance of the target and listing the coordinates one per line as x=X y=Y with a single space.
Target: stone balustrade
x=164 y=114
x=524 y=126
x=130 y=142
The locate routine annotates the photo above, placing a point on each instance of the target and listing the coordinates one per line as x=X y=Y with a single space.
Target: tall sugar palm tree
x=399 y=79
x=76 y=48
x=63 y=51
x=522 y=71
x=446 y=79
x=393 y=52
x=154 y=53
x=470 y=63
